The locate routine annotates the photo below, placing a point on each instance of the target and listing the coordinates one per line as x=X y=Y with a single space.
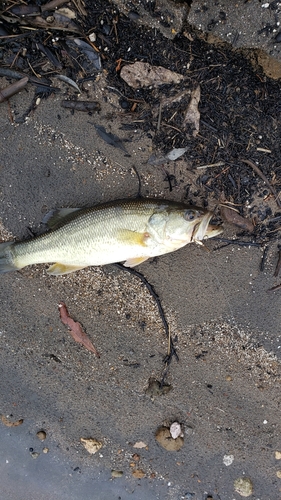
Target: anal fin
x=57 y=269
x=135 y=261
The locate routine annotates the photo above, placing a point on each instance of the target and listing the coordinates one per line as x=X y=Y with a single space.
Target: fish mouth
x=213 y=231
x=203 y=230
x=200 y=229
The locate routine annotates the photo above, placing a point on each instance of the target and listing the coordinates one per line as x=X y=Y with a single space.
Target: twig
x=208 y=125
x=278 y=265
x=159 y=117
x=218 y=164
x=171 y=351
x=274 y=288
x=262 y=176
x=263 y=150
x=12 y=89
x=168 y=178
x=33 y=71
x=169 y=342
x=127 y=98
x=264 y=255
x=236 y=242
x=139 y=181
x=170 y=126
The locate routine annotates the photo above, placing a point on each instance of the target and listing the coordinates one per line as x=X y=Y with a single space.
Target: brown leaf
x=192 y=115
x=75 y=329
x=233 y=217
x=141 y=74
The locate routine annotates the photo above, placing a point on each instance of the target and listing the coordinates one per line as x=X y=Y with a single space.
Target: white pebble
x=228 y=459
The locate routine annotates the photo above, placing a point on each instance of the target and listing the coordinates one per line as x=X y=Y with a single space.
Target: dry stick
x=159 y=117
x=262 y=176
x=274 y=288
x=278 y=265
x=264 y=255
x=12 y=89
x=209 y=165
x=139 y=181
x=171 y=351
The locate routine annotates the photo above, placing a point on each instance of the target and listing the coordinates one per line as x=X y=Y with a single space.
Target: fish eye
x=189 y=215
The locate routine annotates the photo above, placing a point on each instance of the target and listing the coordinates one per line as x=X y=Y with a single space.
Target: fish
x=129 y=231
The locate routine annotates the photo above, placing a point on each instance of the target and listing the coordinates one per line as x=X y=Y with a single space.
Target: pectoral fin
x=58 y=269
x=133 y=237
x=135 y=261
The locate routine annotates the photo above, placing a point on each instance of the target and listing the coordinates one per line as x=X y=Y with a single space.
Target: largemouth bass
x=124 y=230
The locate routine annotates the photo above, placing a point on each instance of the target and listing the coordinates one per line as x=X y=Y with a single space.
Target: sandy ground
x=226 y=385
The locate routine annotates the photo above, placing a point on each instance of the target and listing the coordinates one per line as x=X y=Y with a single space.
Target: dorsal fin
x=54 y=217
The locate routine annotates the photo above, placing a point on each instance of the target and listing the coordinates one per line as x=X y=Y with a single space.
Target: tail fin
x=6 y=257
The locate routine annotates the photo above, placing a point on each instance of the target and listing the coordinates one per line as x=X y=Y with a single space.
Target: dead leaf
x=75 y=330
x=192 y=115
x=140 y=444
x=175 y=153
x=231 y=216
x=9 y=423
x=142 y=74
x=92 y=445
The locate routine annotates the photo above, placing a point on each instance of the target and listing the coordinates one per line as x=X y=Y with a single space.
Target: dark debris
x=239 y=106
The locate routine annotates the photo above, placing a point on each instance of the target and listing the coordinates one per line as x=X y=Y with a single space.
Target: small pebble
x=243 y=486
x=116 y=473
x=41 y=435
x=93 y=37
x=278 y=474
x=92 y=445
x=228 y=459
x=34 y=454
x=228 y=378
x=45 y=450
x=278 y=455
x=175 y=430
